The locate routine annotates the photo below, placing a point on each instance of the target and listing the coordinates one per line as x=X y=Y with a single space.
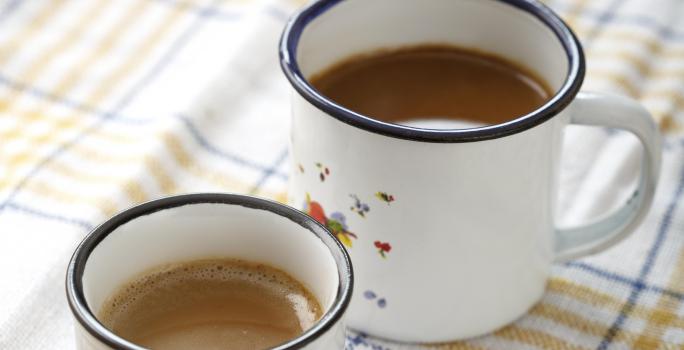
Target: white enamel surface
x=470 y=252
x=85 y=341
x=471 y=226
x=198 y=231
x=440 y=123
x=359 y=26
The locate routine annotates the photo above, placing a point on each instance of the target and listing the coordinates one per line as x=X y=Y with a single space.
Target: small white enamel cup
x=197 y=226
x=451 y=231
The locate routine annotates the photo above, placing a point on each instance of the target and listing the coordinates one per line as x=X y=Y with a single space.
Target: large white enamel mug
x=451 y=231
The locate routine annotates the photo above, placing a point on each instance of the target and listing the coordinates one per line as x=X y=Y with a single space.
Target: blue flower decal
x=370 y=295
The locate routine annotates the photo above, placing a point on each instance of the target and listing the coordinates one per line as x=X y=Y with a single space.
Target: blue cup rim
x=74 y=276
x=576 y=69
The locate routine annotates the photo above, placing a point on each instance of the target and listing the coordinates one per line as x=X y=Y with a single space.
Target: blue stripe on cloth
x=277 y=13
x=35 y=212
x=670 y=142
x=207 y=12
x=166 y=57
x=615 y=277
x=215 y=13
x=35 y=92
x=9 y=7
x=119 y=118
x=665 y=31
x=272 y=170
x=220 y=153
x=639 y=285
x=604 y=18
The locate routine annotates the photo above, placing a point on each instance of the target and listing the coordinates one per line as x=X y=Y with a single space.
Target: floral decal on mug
x=370 y=295
x=359 y=207
x=324 y=171
x=336 y=222
x=383 y=248
x=385 y=197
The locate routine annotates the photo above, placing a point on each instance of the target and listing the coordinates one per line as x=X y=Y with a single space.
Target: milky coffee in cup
x=211 y=304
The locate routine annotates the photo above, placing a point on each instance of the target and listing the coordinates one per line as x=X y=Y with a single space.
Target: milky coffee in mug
x=411 y=83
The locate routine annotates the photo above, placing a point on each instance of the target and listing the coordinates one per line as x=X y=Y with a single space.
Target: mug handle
x=598 y=109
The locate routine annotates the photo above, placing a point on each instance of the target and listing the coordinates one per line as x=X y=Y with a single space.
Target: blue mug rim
x=576 y=70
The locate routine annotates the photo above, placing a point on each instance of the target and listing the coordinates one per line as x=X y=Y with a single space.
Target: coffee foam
x=277 y=282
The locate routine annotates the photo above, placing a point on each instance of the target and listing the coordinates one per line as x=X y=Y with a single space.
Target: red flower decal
x=383 y=248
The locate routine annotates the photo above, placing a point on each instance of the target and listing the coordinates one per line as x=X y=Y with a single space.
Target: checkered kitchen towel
x=104 y=104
